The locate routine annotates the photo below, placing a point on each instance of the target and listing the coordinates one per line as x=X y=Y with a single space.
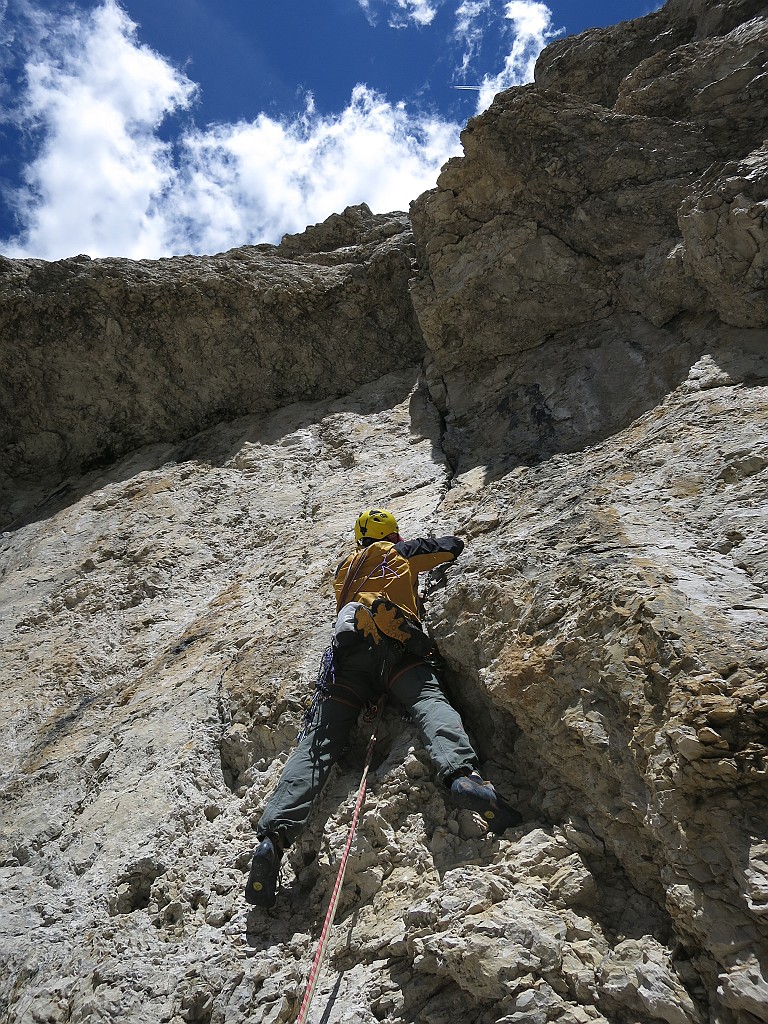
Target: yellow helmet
x=375 y=524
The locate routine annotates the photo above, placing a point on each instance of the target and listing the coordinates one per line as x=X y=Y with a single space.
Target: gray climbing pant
x=362 y=673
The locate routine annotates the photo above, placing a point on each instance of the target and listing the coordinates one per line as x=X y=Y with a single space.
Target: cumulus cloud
x=530 y=25
x=104 y=183
x=97 y=97
x=264 y=177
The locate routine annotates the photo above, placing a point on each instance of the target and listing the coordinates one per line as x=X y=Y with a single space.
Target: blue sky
x=148 y=128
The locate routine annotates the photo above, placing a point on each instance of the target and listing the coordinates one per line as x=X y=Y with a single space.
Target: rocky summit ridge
x=562 y=355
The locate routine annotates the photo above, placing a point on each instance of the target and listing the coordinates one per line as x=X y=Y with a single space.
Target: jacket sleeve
x=425 y=553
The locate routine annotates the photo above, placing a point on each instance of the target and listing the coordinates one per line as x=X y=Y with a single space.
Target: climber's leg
x=416 y=686
x=353 y=684
x=305 y=772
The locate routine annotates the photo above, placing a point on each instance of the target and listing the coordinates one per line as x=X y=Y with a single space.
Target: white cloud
x=259 y=179
x=103 y=181
x=401 y=13
x=470 y=30
x=105 y=184
x=421 y=12
x=531 y=28
x=98 y=98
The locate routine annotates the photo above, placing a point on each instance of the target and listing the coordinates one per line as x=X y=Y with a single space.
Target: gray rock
x=590 y=419
x=99 y=357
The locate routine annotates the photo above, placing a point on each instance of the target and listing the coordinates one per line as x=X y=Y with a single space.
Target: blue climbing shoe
x=261 y=887
x=473 y=794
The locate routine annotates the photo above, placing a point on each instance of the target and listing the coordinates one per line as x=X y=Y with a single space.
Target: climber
x=379 y=649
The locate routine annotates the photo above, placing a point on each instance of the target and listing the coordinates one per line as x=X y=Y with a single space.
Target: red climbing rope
x=329 y=917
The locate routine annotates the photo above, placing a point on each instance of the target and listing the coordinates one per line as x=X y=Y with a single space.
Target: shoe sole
x=499 y=818
x=260 y=888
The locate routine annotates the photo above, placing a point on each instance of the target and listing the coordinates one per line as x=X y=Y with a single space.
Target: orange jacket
x=384 y=569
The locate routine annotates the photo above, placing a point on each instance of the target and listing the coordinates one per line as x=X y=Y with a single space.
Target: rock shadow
x=218 y=444
x=570 y=393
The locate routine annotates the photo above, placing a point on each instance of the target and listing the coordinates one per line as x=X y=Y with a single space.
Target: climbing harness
x=329 y=917
x=322 y=690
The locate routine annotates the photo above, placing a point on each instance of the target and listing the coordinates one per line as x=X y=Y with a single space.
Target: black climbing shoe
x=261 y=887
x=473 y=794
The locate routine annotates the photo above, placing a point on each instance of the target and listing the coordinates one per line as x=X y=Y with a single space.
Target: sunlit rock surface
x=591 y=418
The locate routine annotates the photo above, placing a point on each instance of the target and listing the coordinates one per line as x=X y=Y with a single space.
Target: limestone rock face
x=726 y=239
x=157 y=650
x=719 y=84
x=99 y=357
x=595 y=64
x=591 y=417
x=580 y=245
x=631 y=583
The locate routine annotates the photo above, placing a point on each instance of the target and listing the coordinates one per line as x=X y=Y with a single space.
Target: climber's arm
x=425 y=553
